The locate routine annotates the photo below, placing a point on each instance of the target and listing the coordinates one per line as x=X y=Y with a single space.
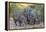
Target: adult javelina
x=30 y=15
x=20 y=21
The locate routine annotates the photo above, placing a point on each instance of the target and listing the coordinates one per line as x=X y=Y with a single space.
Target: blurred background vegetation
x=37 y=8
x=19 y=7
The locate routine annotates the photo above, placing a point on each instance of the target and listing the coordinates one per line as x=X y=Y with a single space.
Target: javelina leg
x=28 y=21
x=20 y=23
x=15 y=23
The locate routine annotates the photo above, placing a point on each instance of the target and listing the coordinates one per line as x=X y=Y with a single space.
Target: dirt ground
x=13 y=26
